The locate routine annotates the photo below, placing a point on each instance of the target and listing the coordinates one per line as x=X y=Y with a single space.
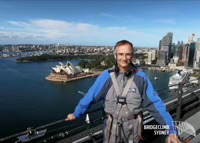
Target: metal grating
x=195 y=126
x=196 y=139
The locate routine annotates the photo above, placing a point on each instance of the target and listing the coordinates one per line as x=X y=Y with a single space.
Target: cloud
x=20 y=24
x=3 y=36
x=49 y=23
x=48 y=26
x=54 y=31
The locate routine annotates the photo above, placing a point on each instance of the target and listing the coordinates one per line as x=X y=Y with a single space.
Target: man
x=125 y=90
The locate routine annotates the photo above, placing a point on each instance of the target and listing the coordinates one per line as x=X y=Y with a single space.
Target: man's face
x=123 y=56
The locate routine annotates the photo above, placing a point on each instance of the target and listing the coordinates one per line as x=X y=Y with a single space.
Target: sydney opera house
x=68 y=72
x=68 y=69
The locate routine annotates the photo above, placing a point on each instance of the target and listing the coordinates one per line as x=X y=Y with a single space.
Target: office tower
x=178 y=50
x=191 y=38
x=160 y=45
x=197 y=55
x=153 y=54
x=162 y=58
x=149 y=57
x=152 y=57
x=166 y=45
x=172 y=50
x=175 y=53
x=185 y=54
x=191 y=54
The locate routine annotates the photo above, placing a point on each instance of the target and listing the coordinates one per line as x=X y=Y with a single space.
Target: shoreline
x=67 y=78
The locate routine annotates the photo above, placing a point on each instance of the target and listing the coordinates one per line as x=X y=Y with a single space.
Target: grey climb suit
x=141 y=95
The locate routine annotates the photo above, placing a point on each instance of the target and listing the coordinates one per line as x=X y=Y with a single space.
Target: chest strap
x=117 y=128
x=116 y=86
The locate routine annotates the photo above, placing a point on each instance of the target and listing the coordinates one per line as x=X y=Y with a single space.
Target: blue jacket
x=150 y=99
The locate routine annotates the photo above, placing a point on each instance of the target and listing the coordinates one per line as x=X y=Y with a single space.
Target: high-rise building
x=149 y=57
x=173 y=49
x=197 y=55
x=152 y=57
x=166 y=45
x=185 y=54
x=162 y=56
x=160 y=43
x=178 y=50
x=153 y=54
x=191 y=38
x=191 y=54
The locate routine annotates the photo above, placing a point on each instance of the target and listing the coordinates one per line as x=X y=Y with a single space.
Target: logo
x=158 y=129
x=184 y=127
x=132 y=90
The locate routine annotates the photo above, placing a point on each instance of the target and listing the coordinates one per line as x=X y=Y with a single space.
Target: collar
x=133 y=70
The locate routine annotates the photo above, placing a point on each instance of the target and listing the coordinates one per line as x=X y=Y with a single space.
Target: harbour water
x=28 y=100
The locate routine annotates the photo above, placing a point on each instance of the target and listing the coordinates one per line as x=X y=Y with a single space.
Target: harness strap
x=128 y=85
x=131 y=131
x=122 y=129
x=127 y=113
x=125 y=108
x=108 y=123
x=115 y=84
x=140 y=123
x=119 y=130
x=115 y=123
x=116 y=128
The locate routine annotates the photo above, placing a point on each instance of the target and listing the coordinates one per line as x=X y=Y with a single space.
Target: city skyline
x=97 y=22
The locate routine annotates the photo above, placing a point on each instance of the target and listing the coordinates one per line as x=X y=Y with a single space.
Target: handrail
x=63 y=120
x=50 y=124
x=63 y=134
x=43 y=126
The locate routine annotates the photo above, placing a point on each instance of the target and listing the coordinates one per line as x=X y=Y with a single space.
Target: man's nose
x=124 y=57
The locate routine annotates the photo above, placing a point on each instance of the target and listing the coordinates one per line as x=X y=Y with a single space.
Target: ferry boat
x=179 y=77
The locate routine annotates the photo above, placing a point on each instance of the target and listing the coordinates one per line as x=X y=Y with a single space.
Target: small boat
x=82 y=93
x=162 y=70
x=156 y=78
x=87 y=119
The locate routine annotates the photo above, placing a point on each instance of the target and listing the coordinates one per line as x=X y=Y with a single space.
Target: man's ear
x=115 y=55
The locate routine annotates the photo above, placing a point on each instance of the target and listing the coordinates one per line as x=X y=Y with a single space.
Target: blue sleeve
x=155 y=106
x=89 y=98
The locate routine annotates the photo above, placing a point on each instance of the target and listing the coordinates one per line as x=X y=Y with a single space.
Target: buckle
x=121 y=100
x=135 y=116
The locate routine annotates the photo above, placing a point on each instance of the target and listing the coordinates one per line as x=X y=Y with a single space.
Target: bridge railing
x=179 y=108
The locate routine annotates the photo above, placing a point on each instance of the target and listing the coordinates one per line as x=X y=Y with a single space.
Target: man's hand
x=70 y=117
x=172 y=138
